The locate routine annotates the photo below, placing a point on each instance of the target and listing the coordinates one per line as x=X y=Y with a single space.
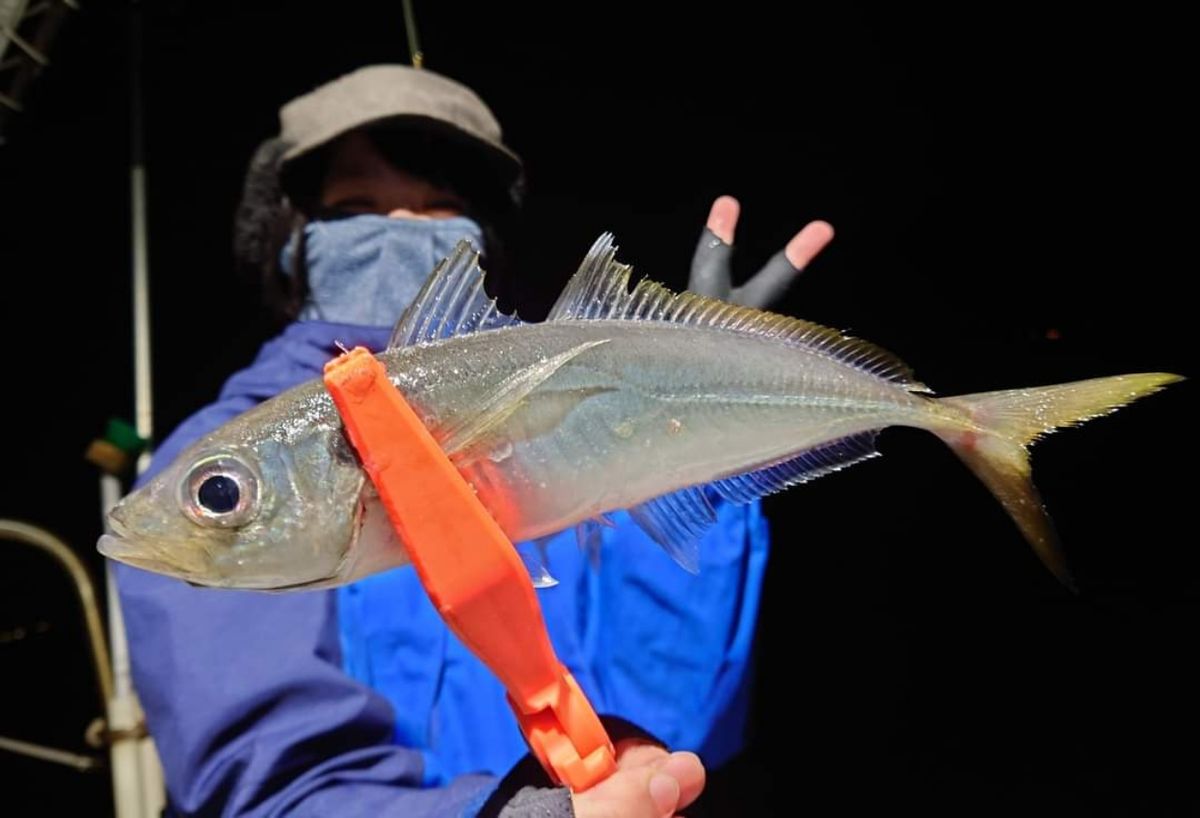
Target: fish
x=636 y=398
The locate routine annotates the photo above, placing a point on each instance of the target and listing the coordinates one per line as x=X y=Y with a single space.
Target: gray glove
x=712 y=269
x=712 y=275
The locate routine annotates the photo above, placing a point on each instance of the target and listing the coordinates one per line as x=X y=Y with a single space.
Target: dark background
x=1013 y=192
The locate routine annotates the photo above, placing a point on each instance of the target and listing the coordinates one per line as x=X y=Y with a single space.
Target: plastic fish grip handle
x=470 y=570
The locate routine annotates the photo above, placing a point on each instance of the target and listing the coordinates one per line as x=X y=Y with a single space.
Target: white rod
x=138 y=790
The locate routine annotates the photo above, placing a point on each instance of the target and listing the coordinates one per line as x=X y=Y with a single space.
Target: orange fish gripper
x=470 y=570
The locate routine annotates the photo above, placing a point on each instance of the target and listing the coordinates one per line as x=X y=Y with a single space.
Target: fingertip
x=822 y=226
x=726 y=202
x=684 y=763
x=723 y=218
x=806 y=244
x=688 y=771
x=664 y=792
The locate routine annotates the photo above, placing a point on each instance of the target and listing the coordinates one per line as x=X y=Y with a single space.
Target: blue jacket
x=360 y=702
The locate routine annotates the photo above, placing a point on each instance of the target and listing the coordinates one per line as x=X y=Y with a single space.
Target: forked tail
x=995 y=443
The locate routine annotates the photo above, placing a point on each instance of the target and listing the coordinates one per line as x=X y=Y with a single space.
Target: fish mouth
x=122 y=550
x=119 y=544
x=122 y=545
x=130 y=553
x=133 y=550
x=117 y=548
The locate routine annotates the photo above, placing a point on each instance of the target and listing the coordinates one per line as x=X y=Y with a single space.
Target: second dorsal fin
x=600 y=290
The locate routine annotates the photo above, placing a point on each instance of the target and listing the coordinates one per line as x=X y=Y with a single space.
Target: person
x=359 y=701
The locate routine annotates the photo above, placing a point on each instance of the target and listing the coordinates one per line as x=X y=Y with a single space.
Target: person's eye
x=343 y=208
x=452 y=205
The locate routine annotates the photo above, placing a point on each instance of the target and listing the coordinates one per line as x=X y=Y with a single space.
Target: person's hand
x=712 y=272
x=649 y=783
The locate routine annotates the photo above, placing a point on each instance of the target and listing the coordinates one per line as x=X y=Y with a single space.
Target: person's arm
x=252 y=715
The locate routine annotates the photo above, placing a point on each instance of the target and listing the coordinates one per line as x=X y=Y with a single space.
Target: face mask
x=367 y=269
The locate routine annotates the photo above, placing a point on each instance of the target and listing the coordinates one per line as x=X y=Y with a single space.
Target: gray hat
x=392 y=92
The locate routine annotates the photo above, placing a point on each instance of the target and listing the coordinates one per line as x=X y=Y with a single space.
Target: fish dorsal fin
x=452 y=302
x=598 y=286
x=600 y=290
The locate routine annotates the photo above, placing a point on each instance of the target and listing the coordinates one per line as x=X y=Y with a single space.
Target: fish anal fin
x=802 y=468
x=677 y=521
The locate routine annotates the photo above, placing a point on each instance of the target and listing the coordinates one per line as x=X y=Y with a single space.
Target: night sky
x=1008 y=189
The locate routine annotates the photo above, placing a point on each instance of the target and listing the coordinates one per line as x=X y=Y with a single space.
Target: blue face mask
x=367 y=269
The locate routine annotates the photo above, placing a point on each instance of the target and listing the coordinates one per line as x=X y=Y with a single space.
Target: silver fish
x=644 y=400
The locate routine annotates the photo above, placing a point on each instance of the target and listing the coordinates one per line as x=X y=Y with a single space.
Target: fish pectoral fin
x=533 y=554
x=500 y=403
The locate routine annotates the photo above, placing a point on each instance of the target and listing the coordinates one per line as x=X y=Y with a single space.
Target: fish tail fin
x=1002 y=425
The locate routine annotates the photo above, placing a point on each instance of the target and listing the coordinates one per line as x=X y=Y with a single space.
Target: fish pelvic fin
x=1001 y=426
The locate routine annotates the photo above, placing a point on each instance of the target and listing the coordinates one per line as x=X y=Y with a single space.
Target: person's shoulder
x=298 y=354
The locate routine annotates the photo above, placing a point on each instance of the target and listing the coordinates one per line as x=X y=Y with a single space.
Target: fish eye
x=220 y=491
x=219 y=494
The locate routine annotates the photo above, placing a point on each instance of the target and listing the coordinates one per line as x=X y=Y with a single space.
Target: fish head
x=240 y=511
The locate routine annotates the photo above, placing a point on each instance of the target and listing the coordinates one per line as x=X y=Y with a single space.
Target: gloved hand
x=649 y=783
x=712 y=269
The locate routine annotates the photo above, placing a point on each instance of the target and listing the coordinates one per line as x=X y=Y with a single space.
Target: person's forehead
x=353 y=154
x=356 y=166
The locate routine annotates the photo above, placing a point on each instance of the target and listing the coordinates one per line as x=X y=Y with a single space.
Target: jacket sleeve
x=249 y=707
x=252 y=715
